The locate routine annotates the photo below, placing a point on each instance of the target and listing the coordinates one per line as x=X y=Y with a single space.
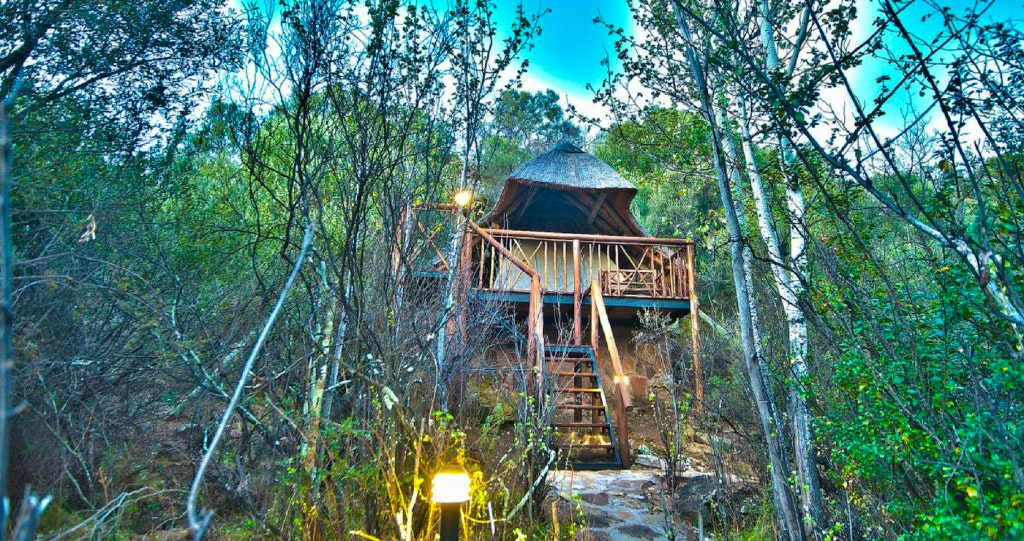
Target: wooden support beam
x=524 y=203
x=597 y=206
x=698 y=363
x=535 y=340
x=621 y=381
x=577 y=294
x=623 y=402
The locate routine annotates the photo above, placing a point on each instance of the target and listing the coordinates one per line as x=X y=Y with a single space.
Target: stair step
x=570 y=373
x=580 y=425
x=571 y=348
x=580 y=407
x=564 y=359
x=579 y=390
x=583 y=445
x=579 y=466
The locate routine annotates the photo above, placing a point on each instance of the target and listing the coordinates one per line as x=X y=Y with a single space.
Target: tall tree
x=534 y=120
x=111 y=70
x=958 y=207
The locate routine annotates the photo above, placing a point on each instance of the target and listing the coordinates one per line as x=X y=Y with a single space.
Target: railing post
x=577 y=294
x=623 y=422
x=537 y=318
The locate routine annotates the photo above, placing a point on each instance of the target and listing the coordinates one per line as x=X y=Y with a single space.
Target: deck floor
x=619 y=307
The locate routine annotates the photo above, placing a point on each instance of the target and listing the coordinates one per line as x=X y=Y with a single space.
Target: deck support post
x=535 y=342
x=698 y=363
x=577 y=294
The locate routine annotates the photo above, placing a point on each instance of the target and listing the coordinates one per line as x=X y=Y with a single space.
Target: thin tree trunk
x=748 y=270
x=6 y=289
x=790 y=287
x=338 y=348
x=780 y=489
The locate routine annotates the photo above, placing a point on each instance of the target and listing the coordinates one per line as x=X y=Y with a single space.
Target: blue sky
x=925 y=29
x=568 y=53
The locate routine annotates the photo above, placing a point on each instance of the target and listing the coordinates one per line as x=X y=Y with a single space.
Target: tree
x=715 y=93
x=369 y=115
x=955 y=207
x=533 y=120
x=112 y=69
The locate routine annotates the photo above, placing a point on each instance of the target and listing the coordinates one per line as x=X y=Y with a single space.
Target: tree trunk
x=791 y=288
x=6 y=289
x=788 y=517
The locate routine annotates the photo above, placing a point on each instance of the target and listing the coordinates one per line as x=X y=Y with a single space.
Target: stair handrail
x=535 y=332
x=623 y=400
x=618 y=374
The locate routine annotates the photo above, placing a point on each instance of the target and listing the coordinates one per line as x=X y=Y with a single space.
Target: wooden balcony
x=634 y=272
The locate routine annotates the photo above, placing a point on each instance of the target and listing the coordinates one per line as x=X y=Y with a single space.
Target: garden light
x=450 y=491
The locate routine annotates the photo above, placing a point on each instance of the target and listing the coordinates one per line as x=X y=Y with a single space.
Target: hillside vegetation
x=204 y=215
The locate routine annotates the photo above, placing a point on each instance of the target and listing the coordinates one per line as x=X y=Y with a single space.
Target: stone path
x=612 y=504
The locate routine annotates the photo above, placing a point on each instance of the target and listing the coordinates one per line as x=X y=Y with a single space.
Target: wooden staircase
x=565 y=378
x=582 y=431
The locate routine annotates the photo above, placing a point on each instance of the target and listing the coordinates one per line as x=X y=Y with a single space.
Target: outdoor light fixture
x=450 y=491
x=462 y=198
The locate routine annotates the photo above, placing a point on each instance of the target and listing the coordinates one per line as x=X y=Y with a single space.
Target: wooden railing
x=566 y=264
x=535 y=323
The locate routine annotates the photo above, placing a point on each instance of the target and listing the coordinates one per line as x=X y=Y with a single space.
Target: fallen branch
x=200 y=523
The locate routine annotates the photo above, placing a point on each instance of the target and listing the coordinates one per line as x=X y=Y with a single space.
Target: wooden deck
x=634 y=272
x=619 y=308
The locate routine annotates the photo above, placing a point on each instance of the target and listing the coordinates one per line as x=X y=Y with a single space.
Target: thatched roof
x=567 y=167
x=569 y=191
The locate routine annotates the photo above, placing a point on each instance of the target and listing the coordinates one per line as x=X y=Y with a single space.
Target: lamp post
x=461 y=201
x=450 y=491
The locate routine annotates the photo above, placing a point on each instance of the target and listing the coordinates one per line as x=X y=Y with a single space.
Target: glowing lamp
x=451 y=485
x=462 y=198
x=451 y=490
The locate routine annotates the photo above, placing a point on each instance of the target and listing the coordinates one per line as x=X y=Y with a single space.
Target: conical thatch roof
x=568 y=167
x=569 y=191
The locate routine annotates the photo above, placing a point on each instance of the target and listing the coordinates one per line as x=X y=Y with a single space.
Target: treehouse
x=573 y=267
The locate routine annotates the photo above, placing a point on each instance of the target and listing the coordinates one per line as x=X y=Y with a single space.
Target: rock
x=637 y=531
x=594 y=517
x=593 y=535
x=683 y=463
x=583 y=514
x=696 y=492
x=595 y=498
x=650 y=461
x=638 y=388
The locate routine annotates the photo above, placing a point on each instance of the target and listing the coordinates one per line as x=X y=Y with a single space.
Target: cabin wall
x=554 y=264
